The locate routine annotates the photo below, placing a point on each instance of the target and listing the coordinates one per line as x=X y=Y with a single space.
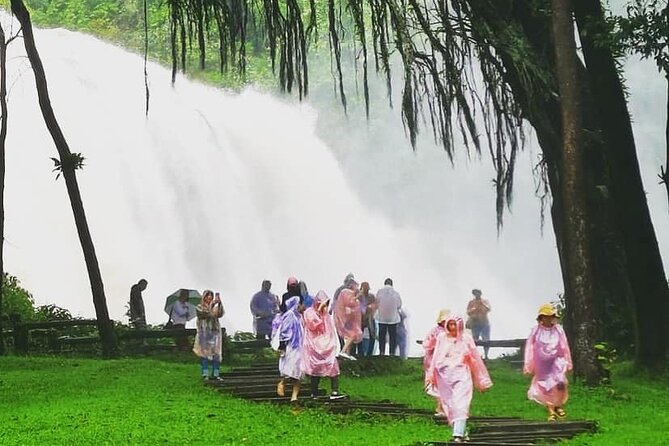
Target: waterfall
x=221 y=190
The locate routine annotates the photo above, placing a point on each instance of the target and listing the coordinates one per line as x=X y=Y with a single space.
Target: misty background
x=221 y=190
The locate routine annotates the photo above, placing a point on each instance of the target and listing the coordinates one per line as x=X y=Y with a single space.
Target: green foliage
x=73 y=162
x=122 y=22
x=644 y=31
x=606 y=356
x=16 y=299
x=52 y=312
x=60 y=401
x=86 y=402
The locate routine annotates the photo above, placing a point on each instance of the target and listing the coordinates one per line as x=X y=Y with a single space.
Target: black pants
x=391 y=329
x=182 y=341
x=315 y=380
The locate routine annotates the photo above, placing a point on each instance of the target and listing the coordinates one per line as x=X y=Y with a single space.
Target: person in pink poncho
x=455 y=369
x=348 y=318
x=320 y=346
x=548 y=358
x=429 y=344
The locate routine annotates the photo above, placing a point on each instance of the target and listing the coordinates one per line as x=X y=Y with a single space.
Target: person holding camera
x=209 y=339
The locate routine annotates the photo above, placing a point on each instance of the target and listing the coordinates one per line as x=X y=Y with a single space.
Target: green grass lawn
x=57 y=401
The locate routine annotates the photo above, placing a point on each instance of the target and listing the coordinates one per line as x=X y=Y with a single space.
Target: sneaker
x=457 y=440
x=205 y=377
x=336 y=396
x=216 y=378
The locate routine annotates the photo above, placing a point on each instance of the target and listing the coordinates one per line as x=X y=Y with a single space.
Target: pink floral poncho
x=548 y=358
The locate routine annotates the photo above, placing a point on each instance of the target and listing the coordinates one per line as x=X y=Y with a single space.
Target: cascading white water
x=220 y=190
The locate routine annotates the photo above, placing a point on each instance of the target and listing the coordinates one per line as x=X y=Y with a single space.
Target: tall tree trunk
x=542 y=110
x=578 y=257
x=107 y=335
x=644 y=262
x=3 y=139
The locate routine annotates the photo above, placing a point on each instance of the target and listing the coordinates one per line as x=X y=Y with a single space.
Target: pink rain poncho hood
x=320 y=346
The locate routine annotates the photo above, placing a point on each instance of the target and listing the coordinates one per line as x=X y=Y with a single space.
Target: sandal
x=560 y=412
x=552 y=417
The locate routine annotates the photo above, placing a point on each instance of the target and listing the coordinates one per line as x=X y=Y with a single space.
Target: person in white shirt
x=388 y=316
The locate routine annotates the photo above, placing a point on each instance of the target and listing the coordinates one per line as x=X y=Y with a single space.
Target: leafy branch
x=72 y=162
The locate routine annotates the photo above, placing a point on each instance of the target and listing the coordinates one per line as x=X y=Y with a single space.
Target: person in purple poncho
x=289 y=333
x=548 y=358
x=264 y=306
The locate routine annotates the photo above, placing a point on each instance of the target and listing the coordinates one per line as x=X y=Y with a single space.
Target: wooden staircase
x=258 y=383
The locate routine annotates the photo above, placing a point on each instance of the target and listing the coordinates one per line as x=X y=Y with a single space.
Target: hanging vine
x=445 y=48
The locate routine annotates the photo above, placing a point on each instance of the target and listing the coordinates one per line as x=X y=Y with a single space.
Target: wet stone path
x=258 y=383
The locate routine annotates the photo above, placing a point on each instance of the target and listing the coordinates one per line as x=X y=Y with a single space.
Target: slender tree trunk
x=3 y=139
x=146 y=55
x=665 y=171
x=107 y=335
x=578 y=258
x=644 y=262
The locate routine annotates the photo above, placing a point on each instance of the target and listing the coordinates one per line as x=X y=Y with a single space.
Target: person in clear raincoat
x=320 y=346
x=208 y=344
x=429 y=344
x=548 y=358
x=289 y=333
x=455 y=369
x=348 y=319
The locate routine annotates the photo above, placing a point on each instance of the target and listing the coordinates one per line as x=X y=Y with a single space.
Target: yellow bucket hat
x=443 y=315
x=547 y=310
